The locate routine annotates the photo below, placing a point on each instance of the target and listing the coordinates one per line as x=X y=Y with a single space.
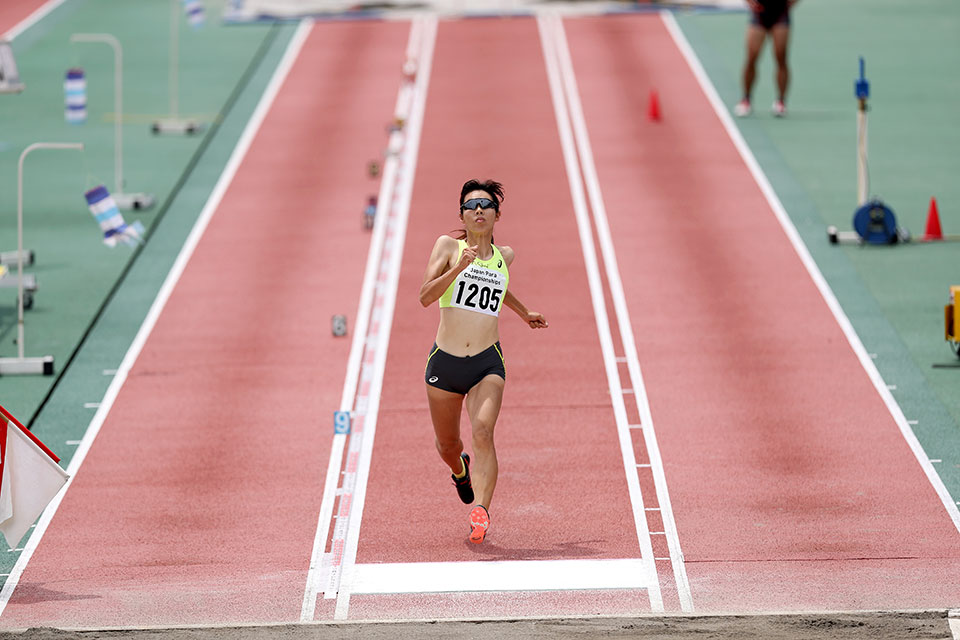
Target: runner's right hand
x=467 y=257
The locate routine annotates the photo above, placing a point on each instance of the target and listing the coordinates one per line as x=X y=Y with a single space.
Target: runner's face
x=479 y=220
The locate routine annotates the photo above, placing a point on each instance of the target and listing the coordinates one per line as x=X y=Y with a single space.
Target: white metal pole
x=117 y=100
x=35 y=145
x=863 y=186
x=174 y=57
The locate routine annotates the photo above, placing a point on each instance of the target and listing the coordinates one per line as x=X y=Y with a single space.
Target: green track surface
x=893 y=295
x=92 y=300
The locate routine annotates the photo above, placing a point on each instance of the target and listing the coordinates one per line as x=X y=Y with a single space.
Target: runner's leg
x=483 y=407
x=755 y=37
x=780 y=34
x=445 y=409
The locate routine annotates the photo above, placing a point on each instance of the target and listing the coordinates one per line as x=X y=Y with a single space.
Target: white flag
x=30 y=479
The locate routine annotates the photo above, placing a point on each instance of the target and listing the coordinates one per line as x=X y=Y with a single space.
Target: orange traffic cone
x=933 y=231
x=653 y=109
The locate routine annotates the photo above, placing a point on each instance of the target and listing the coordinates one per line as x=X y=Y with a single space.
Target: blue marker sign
x=341 y=422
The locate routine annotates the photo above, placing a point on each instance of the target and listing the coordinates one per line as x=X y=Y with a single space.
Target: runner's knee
x=449 y=445
x=482 y=437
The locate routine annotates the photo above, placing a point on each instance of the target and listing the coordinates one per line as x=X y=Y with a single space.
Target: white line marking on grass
x=239 y=152
x=615 y=284
x=549 y=42
x=91 y=405
x=31 y=20
x=513 y=575
x=791 y=231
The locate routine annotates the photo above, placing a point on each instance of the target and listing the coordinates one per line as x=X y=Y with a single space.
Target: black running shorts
x=459 y=375
x=772 y=14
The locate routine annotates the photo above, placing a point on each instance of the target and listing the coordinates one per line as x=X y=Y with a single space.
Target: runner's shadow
x=32 y=593
x=489 y=550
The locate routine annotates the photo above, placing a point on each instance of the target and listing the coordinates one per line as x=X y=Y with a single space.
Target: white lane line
x=567 y=144
x=319 y=573
x=791 y=231
x=239 y=152
x=513 y=575
x=32 y=19
x=615 y=284
x=953 y=619
x=408 y=166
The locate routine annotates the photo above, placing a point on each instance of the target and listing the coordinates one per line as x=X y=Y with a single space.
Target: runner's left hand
x=536 y=320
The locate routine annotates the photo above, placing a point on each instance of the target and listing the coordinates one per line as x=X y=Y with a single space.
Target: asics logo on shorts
x=433 y=379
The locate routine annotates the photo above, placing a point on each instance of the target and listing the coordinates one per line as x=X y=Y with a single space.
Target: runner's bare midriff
x=466 y=333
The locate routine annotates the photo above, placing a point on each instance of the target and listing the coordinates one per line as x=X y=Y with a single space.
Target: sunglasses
x=473 y=203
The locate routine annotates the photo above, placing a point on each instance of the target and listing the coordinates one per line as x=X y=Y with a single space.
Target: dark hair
x=492 y=187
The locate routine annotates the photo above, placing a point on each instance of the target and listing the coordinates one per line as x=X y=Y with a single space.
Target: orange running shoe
x=479 y=522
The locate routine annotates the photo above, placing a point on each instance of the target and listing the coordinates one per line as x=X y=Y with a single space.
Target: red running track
x=792 y=485
x=12 y=12
x=198 y=501
x=561 y=492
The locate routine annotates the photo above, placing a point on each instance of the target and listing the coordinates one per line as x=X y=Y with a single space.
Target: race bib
x=479 y=289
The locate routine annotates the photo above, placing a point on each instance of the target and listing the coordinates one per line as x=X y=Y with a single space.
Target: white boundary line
x=623 y=317
x=599 y=309
x=868 y=365
x=239 y=152
x=404 y=193
x=318 y=569
x=32 y=19
x=511 y=575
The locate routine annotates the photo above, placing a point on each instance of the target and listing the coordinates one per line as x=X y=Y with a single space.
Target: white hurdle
x=173 y=123
x=21 y=364
x=123 y=200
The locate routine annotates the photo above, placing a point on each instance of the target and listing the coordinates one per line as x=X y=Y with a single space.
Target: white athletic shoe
x=742 y=109
x=779 y=109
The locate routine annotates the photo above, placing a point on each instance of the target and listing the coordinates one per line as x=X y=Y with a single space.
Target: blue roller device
x=875 y=223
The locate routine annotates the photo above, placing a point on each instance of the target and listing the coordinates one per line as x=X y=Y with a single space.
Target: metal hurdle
x=22 y=364
x=123 y=200
x=173 y=123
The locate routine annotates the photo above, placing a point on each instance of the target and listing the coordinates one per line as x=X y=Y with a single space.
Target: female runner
x=469 y=277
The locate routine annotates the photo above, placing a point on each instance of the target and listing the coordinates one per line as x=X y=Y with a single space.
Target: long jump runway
x=694 y=432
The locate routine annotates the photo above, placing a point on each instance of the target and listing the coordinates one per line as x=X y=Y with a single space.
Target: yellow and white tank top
x=481 y=287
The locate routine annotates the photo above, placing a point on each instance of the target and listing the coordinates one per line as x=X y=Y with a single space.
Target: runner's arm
x=533 y=318
x=439 y=273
